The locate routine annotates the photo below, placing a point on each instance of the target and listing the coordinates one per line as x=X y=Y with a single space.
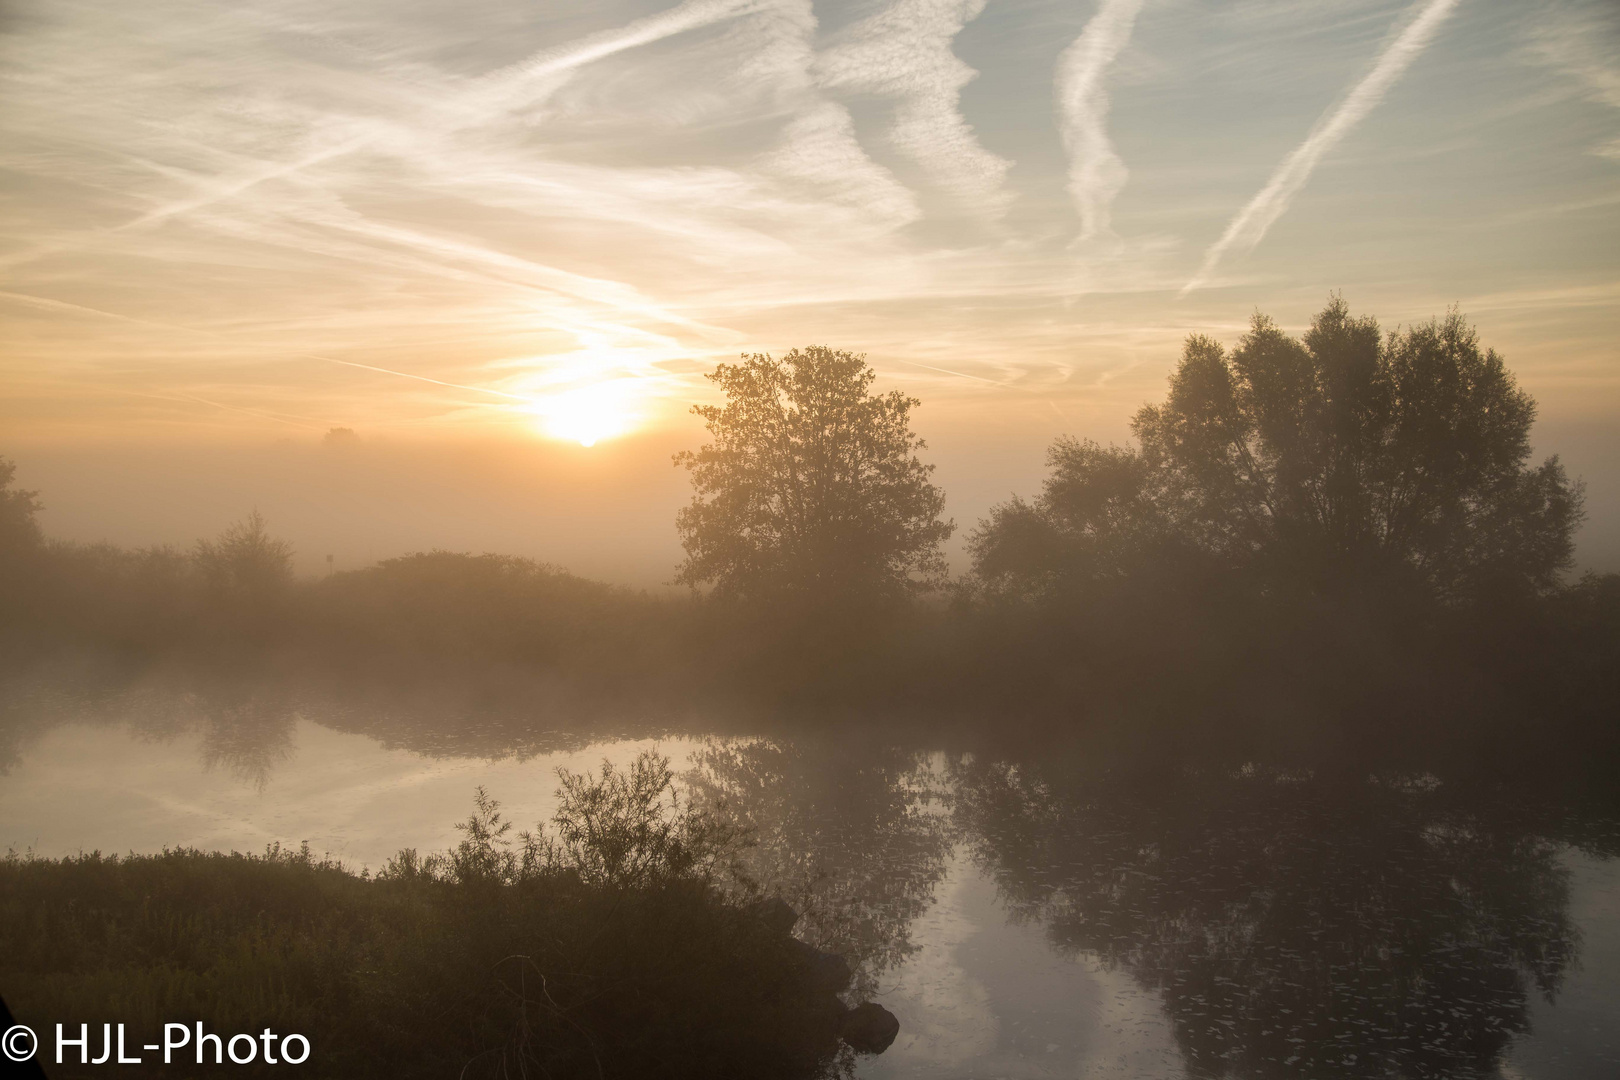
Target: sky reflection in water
x=1020 y=919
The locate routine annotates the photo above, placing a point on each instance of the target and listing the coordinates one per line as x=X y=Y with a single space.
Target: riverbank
x=603 y=946
x=1190 y=670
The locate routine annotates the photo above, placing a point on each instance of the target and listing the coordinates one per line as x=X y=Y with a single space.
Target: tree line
x=1344 y=460
x=1337 y=543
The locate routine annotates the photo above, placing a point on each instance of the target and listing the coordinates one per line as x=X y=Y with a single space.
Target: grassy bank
x=603 y=946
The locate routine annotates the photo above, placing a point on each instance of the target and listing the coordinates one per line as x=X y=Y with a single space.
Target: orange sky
x=483 y=235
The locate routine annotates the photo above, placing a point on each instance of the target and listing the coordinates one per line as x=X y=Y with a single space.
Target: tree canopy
x=1338 y=459
x=19 y=532
x=245 y=560
x=811 y=485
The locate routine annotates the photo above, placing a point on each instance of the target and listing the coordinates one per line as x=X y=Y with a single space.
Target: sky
x=502 y=241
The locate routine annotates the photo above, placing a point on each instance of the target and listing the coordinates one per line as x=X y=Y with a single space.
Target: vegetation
x=1333 y=551
x=603 y=948
x=812 y=486
x=1342 y=462
x=19 y=532
x=1327 y=549
x=455 y=608
x=245 y=561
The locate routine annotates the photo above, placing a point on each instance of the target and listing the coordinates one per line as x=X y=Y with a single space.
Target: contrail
x=1247 y=229
x=959 y=374
x=514 y=85
x=1096 y=174
x=499 y=91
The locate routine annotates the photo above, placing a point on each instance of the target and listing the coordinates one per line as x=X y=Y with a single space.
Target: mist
x=604 y=512
x=837 y=540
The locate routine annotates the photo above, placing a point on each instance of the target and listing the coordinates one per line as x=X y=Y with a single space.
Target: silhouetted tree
x=1345 y=457
x=245 y=560
x=811 y=486
x=21 y=597
x=19 y=532
x=340 y=438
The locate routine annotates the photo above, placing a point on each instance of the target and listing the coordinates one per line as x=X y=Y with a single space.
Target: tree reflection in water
x=245 y=728
x=249 y=738
x=1289 y=930
x=853 y=838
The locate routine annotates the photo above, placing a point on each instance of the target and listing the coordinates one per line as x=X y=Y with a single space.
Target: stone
x=868 y=1028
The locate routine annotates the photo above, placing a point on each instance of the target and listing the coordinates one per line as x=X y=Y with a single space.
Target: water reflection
x=245 y=728
x=1014 y=912
x=850 y=835
x=245 y=724
x=1290 y=931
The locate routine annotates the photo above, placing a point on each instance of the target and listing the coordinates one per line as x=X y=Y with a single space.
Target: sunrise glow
x=540 y=228
x=1093 y=525
x=589 y=414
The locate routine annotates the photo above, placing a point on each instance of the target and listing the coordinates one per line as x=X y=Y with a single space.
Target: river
x=1022 y=916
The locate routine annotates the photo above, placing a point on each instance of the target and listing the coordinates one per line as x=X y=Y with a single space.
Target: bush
x=607 y=950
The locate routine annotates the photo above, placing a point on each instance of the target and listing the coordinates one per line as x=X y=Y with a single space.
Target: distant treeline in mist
x=1334 y=548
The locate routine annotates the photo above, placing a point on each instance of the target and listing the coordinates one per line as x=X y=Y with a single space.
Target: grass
x=604 y=947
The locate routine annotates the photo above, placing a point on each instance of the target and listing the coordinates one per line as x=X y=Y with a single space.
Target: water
x=1022 y=918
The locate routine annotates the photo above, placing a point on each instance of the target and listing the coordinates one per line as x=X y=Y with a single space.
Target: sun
x=588 y=414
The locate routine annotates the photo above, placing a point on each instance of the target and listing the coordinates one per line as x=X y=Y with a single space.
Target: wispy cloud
x=507 y=89
x=522 y=200
x=1582 y=44
x=903 y=53
x=820 y=149
x=1096 y=173
x=519 y=84
x=1249 y=227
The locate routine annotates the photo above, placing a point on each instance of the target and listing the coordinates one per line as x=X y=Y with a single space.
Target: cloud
x=820 y=151
x=1250 y=225
x=516 y=86
x=903 y=53
x=487 y=197
x=519 y=84
x=1582 y=45
x=1096 y=173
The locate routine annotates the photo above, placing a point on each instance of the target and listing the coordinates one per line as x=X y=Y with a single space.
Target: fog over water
x=814 y=539
x=960 y=884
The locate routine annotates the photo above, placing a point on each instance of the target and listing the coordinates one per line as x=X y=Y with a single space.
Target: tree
x=811 y=487
x=245 y=561
x=1337 y=460
x=19 y=532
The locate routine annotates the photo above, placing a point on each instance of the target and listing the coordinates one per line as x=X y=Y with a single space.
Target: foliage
x=19 y=532
x=618 y=830
x=245 y=561
x=449 y=604
x=628 y=829
x=812 y=486
x=1339 y=461
x=122 y=596
x=21 y=547
x=482 y=961
x=222 y=594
